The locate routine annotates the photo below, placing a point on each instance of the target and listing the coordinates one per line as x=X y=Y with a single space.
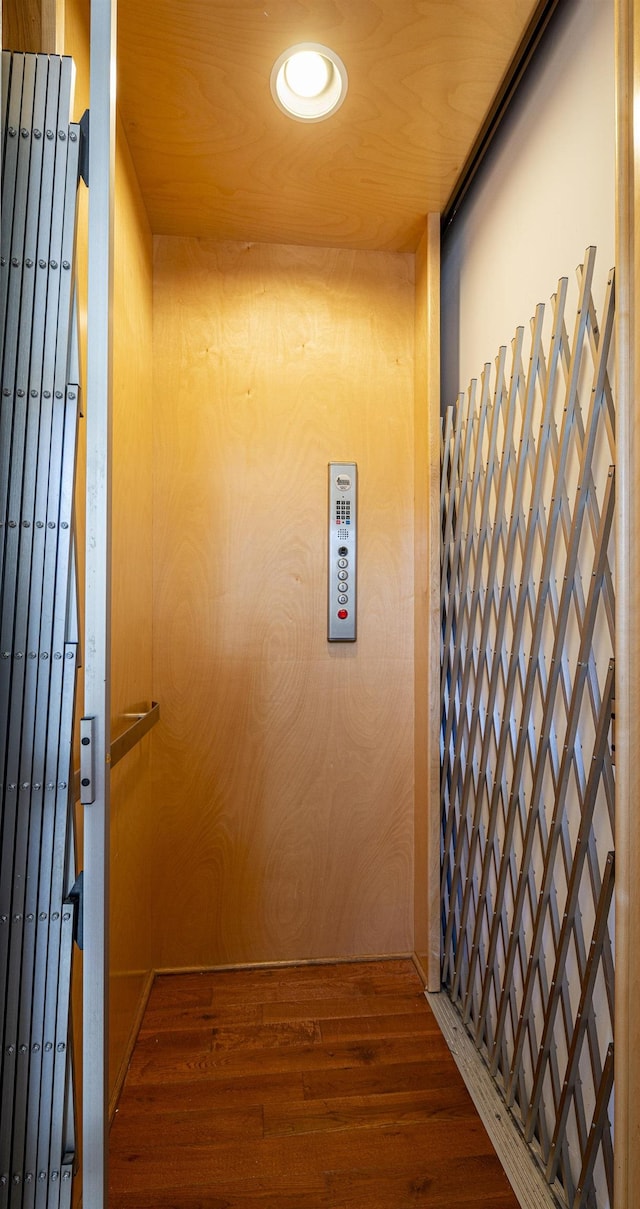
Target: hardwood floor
x=314 y=1087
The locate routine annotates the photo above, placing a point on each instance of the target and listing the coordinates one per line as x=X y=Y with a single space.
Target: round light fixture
x=309 y=82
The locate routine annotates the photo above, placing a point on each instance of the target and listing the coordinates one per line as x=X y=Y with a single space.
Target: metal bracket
x=76 y=898
x=87 y=761
x=84 y=147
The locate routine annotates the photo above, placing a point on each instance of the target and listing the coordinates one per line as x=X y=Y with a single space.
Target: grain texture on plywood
x=283 y=765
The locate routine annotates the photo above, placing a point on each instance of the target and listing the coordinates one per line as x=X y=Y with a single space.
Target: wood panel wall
x=283 y=765
x=426 y=453
x=134 y=917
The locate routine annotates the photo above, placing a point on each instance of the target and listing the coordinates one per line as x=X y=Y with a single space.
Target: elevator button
x=343 y=574
x=342 y=614
x=342 y=562
x=343 y=600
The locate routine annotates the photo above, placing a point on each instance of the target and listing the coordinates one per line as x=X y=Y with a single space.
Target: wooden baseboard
x=421 y=970
x=283 y=965
x=133 y=1037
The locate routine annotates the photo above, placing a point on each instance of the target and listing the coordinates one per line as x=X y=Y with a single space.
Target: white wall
x=546 y=191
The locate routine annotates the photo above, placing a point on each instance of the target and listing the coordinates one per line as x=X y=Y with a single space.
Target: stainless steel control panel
x=343 y=517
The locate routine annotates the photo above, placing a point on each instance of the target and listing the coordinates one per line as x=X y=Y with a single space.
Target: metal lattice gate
x=38 y=628
x=527 y=692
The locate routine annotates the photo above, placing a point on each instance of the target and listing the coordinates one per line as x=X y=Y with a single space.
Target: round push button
x=342 y=613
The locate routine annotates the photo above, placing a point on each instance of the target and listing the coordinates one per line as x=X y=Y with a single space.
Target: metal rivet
x=48 y=1047
x=65 y=264
x=64 y=524
x=47 y=394
x=53 y=264
x=55 y=915
x=29 y=263
x=39 y=524
x=37 y=134
x=61 y=1047
x=62 y=135
x=24 y=132
x=12 y=132
x=42 y=263
x=73 y=136
x=57 y=655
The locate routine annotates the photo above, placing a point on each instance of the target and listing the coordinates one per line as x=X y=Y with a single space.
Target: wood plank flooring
x=314 y=1087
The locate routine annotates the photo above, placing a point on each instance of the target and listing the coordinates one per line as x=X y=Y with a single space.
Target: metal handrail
x=129 y=738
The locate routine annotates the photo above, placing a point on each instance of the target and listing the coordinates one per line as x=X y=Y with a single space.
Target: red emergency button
x=342 y=613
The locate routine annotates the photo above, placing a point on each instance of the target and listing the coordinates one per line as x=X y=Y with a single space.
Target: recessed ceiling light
x=309 y=82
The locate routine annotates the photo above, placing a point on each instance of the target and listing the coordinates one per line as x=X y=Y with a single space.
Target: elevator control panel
x=343 y=518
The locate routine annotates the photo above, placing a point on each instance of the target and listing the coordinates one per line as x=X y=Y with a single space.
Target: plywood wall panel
x=133 y=916
x=427 y=605
x=283 y=765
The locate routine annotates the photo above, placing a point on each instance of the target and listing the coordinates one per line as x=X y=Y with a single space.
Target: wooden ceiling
x=216 y=158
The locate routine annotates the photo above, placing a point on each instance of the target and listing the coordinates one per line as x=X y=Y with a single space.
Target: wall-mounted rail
x=142 y=723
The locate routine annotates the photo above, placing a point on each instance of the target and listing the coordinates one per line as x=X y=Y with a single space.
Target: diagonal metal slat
x=527 y=789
